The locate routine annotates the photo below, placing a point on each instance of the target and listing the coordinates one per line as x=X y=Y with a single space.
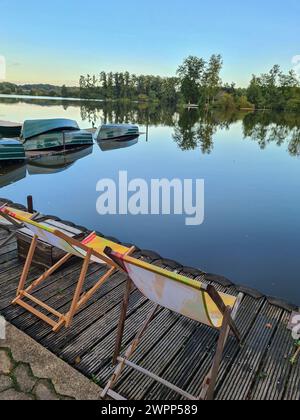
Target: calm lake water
x=251 y=168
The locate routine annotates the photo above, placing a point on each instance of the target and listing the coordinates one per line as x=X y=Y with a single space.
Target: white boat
x=116 y=131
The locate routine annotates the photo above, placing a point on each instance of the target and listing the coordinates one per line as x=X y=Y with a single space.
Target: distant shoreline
x=51 y=98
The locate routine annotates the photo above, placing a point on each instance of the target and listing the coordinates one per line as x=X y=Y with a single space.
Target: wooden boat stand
x=79 y=298
x=209 y=383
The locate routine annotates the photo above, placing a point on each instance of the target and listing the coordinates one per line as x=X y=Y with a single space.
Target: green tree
x=211 y=79
x=103 y=84
x=255 y=93
x=64 y=91
x=190 y=74
x=274 y=90
x=110 y=85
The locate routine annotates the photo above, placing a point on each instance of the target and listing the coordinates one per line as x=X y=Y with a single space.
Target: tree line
x=40 y=89
x=201 y=84
x=197 y=82
x=275 y=90
x=128 y=86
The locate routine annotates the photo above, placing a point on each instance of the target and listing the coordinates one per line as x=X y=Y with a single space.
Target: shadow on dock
x=175 y=348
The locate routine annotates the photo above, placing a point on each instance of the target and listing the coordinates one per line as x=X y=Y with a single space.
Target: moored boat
x=10 y=129
x=55 y=134
x=33 y=128
x=11 y=151
x=116 y=131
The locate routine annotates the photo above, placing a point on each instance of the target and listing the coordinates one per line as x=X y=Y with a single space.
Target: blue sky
x=56 y=41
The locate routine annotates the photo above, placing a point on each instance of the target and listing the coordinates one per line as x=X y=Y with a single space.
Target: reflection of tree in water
x=197 y=129
x=279 y=128
x=185 y=133
x=192 y=128
x=127 y=112
x=294 y=143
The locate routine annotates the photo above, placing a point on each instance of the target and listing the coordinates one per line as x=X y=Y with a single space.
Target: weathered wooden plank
x=9 y=289
x=275 y=369
x=10 y=270
x=244 y=370
x=177 y=349
x=3 y=233
x=158 y=359
x=160 y=325
x=104 y=302
x=8 y=256
x=102 y=353
x=55 y=294
x=96 y=332
x=292 y=391
x=193 y=363
x=34 y=273
x=247 y=313
x=9 y=247
x=180 y=369
x=106 y=298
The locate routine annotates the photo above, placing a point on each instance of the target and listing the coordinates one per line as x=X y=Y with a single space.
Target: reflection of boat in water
x=11 y=174
x=11 y=151
x=55 y=162
x=108 y=145
x=10 y=129
x=54 y=134
x=116 y=131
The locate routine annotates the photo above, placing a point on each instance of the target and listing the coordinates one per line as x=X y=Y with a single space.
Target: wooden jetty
x=174 y=348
